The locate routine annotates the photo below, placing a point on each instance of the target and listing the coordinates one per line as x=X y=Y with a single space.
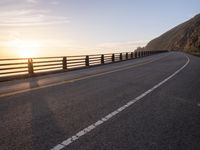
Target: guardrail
x=28 y=67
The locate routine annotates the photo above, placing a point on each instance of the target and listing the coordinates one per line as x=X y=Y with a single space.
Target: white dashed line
x=112 y=114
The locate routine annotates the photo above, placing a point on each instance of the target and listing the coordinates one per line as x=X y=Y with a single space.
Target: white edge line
x=75 y=137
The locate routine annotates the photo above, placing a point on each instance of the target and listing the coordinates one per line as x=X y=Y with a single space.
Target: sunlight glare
x=26 y=53
x=25 y=48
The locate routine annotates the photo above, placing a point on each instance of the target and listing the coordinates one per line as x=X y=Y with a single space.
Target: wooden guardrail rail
x=22 y=67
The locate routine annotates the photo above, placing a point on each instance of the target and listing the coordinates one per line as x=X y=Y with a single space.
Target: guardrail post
x=87 y=61
x=131 y=55
x=126 y=56
x=102 y=59
x=30 y=66
x=64 y=63
x=113 y=57
x=120 y=57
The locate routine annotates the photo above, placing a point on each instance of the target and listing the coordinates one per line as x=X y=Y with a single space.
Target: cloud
x=28 y=15
x=30 y=18
x=32 y=1
x=126 y=45
x=54 y=2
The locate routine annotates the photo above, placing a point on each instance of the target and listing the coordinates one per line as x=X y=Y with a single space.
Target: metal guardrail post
x=120 y=57
x=126 y=56
x=113 y=57
x=87 y=61
x=131 y=55
x=102 y=59
x=30 y=66
x=64 y=63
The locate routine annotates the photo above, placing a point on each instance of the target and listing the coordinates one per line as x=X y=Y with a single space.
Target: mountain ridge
x=184 y=37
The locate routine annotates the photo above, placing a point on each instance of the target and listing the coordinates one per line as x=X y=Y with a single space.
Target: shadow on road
x=27 y=122
x=45 y=128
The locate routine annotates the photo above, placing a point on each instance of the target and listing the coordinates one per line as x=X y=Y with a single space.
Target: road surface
x=147 y=103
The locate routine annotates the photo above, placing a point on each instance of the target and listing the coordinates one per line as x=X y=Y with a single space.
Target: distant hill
x=184 y=37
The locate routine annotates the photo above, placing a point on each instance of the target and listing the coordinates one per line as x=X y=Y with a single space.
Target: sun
x=26 y=53
x=25 y=48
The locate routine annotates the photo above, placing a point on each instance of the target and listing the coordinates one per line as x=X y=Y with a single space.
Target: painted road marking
x=78 y=79
x=75 y=137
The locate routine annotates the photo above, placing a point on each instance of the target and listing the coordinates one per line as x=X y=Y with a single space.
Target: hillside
x=184 y=37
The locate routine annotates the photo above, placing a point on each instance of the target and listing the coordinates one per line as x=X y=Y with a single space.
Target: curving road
x=148 y=103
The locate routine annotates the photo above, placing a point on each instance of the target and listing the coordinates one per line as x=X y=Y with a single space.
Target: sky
x=33 y=28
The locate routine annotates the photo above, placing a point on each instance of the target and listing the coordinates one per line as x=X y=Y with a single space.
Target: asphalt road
x=40 y=113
